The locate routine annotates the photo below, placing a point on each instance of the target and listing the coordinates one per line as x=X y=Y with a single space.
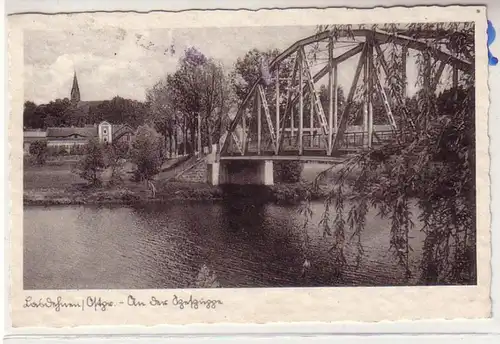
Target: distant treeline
x=61 y=113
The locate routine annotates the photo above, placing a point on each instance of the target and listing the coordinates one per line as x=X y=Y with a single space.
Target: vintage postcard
x=241 y=166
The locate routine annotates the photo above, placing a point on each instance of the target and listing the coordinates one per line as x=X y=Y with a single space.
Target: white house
x=69 y=137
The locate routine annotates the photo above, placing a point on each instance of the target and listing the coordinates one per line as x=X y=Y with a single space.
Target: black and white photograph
x=303 y=156
x=254 y=158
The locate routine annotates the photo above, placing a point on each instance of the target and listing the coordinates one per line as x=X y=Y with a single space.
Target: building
x=31 y=136
x=82 y=109
x=68 y=137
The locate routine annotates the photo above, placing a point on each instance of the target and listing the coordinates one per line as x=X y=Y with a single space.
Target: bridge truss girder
x=301 y=85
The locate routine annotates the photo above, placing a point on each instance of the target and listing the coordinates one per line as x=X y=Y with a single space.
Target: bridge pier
x=213 y=173
x=266 y=172
x=243 y=172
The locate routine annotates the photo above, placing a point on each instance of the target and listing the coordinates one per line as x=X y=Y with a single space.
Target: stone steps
x=194 y=174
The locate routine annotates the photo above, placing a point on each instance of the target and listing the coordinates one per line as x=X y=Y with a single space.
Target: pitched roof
x=119 y=130
x=68 y=132
x=86 y=132
x=34 y=134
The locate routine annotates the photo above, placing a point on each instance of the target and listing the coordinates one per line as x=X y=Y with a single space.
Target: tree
x=199 y=90
x=56 y=113
x=53 y=114
x=216 y=95
x=323 y=97
x=432 y=165
x=38 y=150
x=248 y=69
x=92 y=164
x=29 y=118
x=119 y=110
x=163 y=114
x=185 y=84
x=114 y=157
x=145 y=152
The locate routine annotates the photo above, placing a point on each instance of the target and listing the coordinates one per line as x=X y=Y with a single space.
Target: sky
x=121 y=62
x=116 y=62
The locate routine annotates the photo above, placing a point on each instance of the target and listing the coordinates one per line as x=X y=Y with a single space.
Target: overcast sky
x=114 y=61
x=121 y=62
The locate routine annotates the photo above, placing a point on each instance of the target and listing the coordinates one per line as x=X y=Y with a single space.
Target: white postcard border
x=262 y=305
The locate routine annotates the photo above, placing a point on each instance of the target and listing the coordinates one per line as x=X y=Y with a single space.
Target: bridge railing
x=353 y=140
x=315 y=141
x=360 y=139
x=309 y=141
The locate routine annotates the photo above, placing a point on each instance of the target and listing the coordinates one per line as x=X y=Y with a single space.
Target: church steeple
x=75 y=91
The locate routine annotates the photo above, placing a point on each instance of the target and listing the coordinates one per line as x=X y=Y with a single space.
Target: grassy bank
x=55 y=184
x=135 y=194
x=123 y=194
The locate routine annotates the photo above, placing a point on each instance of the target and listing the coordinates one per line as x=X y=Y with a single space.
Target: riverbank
x=172 y=191
x=56 y=184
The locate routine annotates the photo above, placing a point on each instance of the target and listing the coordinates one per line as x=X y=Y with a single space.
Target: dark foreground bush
x=287 y=171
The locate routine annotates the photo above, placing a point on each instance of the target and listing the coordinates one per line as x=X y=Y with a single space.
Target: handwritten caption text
x=98 y=303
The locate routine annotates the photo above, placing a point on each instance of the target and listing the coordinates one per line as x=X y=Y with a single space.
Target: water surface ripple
x=165 y=245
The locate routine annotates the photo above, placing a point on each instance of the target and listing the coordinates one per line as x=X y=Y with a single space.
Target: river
x=165 y=246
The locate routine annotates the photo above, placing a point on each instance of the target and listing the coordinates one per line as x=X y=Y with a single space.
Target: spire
x=75 y=91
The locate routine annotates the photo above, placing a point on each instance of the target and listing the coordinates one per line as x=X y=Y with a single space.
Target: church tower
x=75 y=91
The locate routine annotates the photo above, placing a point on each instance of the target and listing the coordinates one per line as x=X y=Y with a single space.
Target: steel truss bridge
x=269 y=123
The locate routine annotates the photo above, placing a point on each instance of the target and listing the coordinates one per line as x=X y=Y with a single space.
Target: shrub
x=78 y=150
x=38 y=150
x=57 y=151
x=114 y=156
x=91 y=165
x=52 y=151
x=288 y=171
x=145 y=153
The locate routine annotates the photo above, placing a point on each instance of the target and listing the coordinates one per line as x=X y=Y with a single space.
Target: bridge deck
x=308 y=155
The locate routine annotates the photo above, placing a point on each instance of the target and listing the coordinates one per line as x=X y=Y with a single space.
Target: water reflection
x=166 y=245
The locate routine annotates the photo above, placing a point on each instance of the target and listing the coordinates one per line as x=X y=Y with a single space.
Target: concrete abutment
x=258 y=172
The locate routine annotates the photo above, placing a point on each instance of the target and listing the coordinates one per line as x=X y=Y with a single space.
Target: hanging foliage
x=426 y=177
